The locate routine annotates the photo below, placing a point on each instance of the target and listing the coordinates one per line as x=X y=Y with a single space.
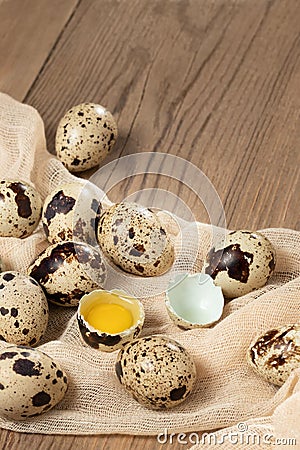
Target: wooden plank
x=28 y=32
x=213 y=82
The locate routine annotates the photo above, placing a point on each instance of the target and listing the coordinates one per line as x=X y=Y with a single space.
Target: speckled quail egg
x=157 y=371
x=20 y=209
x=67 y=271
x=133 y=237
x=84 y=137
x=109 y=319
x=275 y=354
x=31 y=383
x=72 y=211
x=23 y=309
x=242 y=263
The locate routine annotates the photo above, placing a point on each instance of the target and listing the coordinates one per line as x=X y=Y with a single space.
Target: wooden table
x=213 y=81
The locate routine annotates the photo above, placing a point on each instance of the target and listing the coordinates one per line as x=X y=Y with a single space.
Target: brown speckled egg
x=242 y=263
x=23 y=309
x=20 y=209
x=133 y=237
x=275 y=354
x=157 y=371
x=67 y=271
x=31 y=383
x=60 y=219
x=85 y=135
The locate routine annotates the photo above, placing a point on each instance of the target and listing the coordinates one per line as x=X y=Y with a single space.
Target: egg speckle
x=157 y=371
x=84 y=137
x=242 y=263
x=275 y=354
x=31 y=383
x=67 y=271
x=133 y=237
x=23 y=309
x=71 y=211
x=20 y=209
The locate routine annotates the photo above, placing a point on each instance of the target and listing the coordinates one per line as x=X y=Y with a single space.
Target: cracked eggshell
x=193 y=301
x=84 y=137
x=133 y=237
x=31 y=383
x=23 y=309
x=157 y=371
x=276 y=353
x=20 y=209
x=72 y=211
x=104 y=341
x=242 y=263
x=67 y=271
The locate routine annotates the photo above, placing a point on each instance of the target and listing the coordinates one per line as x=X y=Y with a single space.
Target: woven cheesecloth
x=227 y=390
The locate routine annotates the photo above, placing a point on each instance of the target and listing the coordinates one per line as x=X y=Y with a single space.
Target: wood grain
x=215 y=82
x=28 y=32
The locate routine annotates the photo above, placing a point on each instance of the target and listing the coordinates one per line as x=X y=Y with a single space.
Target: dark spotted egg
x=20 y=209
x=85 y=135
x=31 y=383
x=243 y=262
x=23 y=309
x=276 y=353
x=72 y=211
x=133 y=237
x=157 y=371
x=67 y=271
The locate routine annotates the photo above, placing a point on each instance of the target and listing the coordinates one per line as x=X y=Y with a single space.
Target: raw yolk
x=110 y=318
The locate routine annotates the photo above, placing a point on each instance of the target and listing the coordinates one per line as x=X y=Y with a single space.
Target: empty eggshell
x=23 y=309
x=133 y=237
x=193 y=301
x=70 y=212
x=242 y=263
x=275 y=354
x=31 y=383
x=20 y=209
x=67 y=271
x=84 y=137
x=157 y=371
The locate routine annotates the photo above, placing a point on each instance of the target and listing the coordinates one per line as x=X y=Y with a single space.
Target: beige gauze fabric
x=227 y=390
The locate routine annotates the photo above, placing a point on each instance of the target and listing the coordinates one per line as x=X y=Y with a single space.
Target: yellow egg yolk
x=110 y=318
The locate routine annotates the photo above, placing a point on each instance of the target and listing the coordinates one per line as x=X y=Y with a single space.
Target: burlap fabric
x=227 y=390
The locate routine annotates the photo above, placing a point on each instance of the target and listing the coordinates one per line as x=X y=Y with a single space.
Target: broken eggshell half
x=105 y=340
x=193 y=301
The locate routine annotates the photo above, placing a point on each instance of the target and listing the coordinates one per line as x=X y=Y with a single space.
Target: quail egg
x=72 y=211
x=275 y=354
x=20 y=209
x=157 y=371
x=31 y=383
x=85 y=135
x=23 y=309
x=67 y=271
x=242 y=263
x=109 y=319
x=133 y=237
x=194 y=301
